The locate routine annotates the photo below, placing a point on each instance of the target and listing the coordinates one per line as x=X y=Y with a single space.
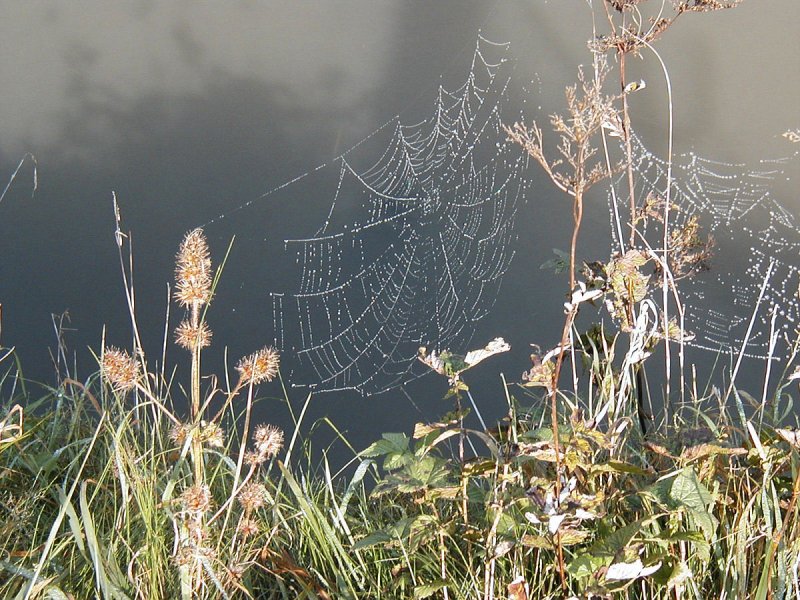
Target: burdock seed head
x=120 y=369
x=248 y=527
x=178 y=433
x=212 y=434
x=193 y=337
x=252 y=496
x=260 y=366
x=196 y=499
x=268 y=440
x=193 y=275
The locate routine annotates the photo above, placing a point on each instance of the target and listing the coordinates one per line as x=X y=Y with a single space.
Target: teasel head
x=120 y=369
x=193 y=337
x=259 y=367
x=193 y=275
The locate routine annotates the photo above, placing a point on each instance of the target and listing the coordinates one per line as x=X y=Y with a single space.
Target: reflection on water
x=188 y=114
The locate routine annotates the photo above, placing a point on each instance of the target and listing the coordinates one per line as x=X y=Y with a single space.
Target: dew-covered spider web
x=420 y=253
x=420 y=234
x=756 y=244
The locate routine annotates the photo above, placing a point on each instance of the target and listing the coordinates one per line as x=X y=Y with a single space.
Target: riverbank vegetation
x=597 y=483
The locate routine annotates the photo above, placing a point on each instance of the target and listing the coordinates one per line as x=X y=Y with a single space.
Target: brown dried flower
x=192 y=337
x=212 y=434
x=260 y=366
x=190 y=555
x=248 y=527
x=178 y=433
x=193 y=270
x=254 y=459
x=120 y=369
x=196 y=499
x=268 y=440
x=252 y=496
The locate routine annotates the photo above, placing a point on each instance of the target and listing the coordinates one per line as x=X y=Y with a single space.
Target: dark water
x=188 y=113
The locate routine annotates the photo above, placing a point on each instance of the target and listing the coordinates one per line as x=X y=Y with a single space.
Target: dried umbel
x=193 y=337
x=120 y=369
x=260 y=366
x=193 y=275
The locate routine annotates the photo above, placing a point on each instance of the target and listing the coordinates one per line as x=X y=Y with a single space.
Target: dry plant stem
x=491 y=538
x=666 y=239
x=461 y=434
x=130 y=297
x=442 y=556
x=197 y=446
x=626 y=132
x=554 y=422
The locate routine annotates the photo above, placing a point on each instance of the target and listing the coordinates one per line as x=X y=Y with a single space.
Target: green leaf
x=679 y=575
x=585 y=565
x=74 y=521
x=373 y=539
x=609 y=545
x=686 y=491
x=389 y=444
x=558 y=264
x=428 y=589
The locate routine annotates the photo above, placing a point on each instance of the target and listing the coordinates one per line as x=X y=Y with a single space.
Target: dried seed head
x=252 y=497
x=268 y=440
x=120 y=369
x=212 y=434
x=192 y=337
x=190 y=555
x=260 y=366
x=178 y=433
x=193 y=270
x=196 y=499
x=253 y=459
x=248 y=527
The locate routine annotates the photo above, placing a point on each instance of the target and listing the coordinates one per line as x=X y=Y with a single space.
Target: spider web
x=755 y=238
x=415 y=244
x=420 y=259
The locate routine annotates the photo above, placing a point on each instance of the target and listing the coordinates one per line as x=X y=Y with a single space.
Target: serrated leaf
x=585 y=565
x=570 y=537
x=609 y=545
x=390 y=443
